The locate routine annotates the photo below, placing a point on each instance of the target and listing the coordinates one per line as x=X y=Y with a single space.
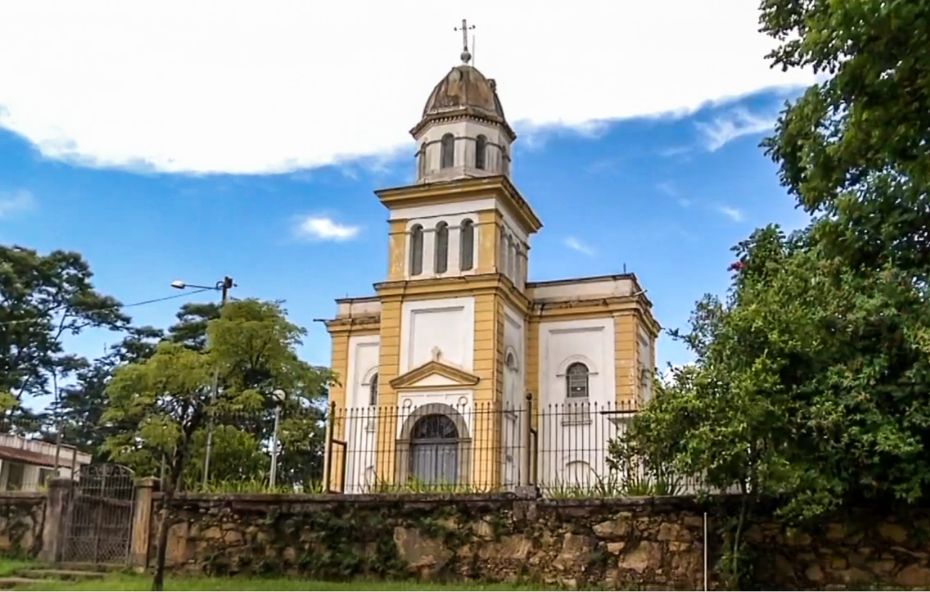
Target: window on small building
x=416 y=250
x=481 y=148
x=422 y=162
x=373 y=390
x=576 y=379
x=442 y=247
x=448 y=151
x=467 y=245
x=45 y=475
x=15 y=478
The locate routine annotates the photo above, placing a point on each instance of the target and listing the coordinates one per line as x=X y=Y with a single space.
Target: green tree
x=855 y=147
x=165 y=401
x=43 y=298
x=82 y=403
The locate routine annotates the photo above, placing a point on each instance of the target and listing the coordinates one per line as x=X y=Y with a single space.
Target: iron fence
x=564 y=450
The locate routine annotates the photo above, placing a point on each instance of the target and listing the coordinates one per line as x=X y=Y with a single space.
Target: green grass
x=9 y=566
x=144 y=582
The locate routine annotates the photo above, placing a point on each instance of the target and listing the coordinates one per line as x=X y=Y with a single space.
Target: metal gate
x=98 y=527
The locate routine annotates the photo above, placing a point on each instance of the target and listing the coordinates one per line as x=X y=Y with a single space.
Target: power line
x=131 y=305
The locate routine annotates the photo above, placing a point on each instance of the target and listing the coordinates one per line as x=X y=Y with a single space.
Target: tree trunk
x=158 y=581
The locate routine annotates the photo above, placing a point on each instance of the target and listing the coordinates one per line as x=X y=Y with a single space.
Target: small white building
x=27 y=464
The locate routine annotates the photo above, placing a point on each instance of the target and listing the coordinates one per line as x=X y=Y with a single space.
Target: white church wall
x=581 y=290
x=358 y=307
x=360 y=423
x=572 y=439
x=446 y=326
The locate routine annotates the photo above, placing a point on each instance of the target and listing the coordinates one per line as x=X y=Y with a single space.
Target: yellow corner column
x=397 y=249
x=488 y=236
x=388 y=370
x=487 y=317
x=625 y=357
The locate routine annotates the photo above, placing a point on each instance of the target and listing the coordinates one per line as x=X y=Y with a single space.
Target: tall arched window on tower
x=448 y=151
x=505 y=161
x=481 y=148
x=467 y=245
x=416 y=250
x=442 y=247
x=421 y=164
x=576 y=378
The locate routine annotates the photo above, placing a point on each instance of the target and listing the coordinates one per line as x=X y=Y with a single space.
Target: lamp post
x=279 y=397
x=223 y=286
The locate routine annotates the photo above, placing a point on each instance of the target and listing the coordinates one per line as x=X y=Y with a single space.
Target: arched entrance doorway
x=434 y=450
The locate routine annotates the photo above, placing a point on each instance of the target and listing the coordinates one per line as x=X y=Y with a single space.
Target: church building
x=446 y=373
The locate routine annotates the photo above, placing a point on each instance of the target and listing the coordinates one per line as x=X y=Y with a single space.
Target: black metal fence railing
x=562 y=449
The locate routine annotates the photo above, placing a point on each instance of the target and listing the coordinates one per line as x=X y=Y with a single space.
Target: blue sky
x=666 y=196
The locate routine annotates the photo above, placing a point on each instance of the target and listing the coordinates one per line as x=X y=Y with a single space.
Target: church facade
x=446 y=372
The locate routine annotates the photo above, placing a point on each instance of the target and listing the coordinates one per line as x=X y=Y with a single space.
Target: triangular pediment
x=433 y=374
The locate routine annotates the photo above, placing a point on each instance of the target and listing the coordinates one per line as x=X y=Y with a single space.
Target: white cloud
x=15 y=202
x=730 y=212
x=668 y=188
x=579 y=246
x=324 y=228
x=734 y=124
x=242 y=86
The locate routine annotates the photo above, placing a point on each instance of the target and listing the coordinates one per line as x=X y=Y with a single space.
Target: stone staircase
x=37 y=577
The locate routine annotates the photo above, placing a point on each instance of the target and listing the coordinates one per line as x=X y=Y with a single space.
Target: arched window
x=511 y=362
x=502 y=252
x=434 y=450
x=416 y=250
x=373 y=390
x=467 y=245
x=481 y=147
x=422 y=161
x=576 y=378
x=442 y=248
x=448 y=151
x=505 y=161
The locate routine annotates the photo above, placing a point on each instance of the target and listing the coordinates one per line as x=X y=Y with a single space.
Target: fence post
x=527 y=442
x=328 y=453
x=54 y=527
x=141 y=523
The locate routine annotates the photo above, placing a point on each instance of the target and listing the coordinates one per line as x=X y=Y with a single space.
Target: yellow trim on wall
x=397 y=249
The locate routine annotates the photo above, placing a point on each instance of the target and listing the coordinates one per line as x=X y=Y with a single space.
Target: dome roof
x=464 y=91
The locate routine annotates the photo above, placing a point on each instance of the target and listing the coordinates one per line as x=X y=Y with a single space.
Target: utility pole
x=224 y=287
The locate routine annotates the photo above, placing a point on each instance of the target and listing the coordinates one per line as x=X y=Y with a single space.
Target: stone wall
x=492 y=538
x=21 y=523
x=864 y=549
x=618 y=544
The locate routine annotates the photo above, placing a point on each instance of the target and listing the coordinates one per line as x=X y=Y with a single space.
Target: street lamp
x=223 y=286
x=279 y=397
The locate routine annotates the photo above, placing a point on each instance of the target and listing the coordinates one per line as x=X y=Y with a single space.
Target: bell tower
x=463 y=132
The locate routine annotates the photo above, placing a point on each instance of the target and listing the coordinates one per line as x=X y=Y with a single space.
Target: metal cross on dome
x=466 y=56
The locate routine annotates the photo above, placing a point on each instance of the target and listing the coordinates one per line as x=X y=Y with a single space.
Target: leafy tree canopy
x=812 y=375
x=42 y=299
